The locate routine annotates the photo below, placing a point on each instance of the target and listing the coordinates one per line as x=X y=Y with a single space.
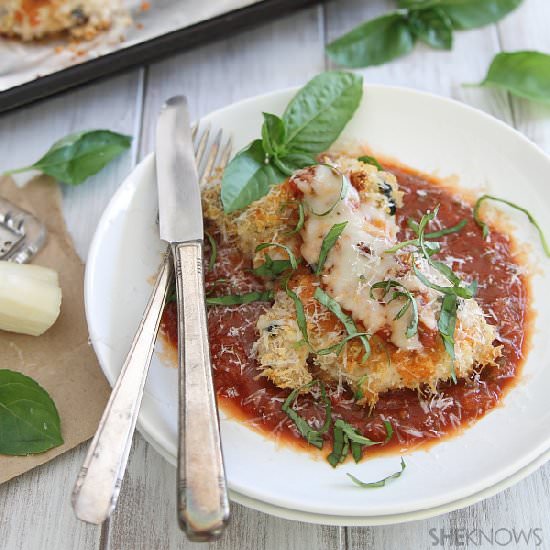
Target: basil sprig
x=332 y=305
x=386 y=286
x=328 y=242
x=78 y=156
x=485 y=227
x=525 y=74
x=314 y=437
x=380 y=483
x=394 y=34
x=312 y=121
x=29 y=421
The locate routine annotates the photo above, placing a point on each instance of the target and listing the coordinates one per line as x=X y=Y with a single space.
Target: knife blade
x=180 y=210
x=202 y=501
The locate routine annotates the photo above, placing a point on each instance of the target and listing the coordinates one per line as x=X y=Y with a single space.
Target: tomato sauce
x=417 y=417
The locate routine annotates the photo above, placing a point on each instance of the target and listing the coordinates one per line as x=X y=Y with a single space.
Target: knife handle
x=203 y=506
x=98 y=484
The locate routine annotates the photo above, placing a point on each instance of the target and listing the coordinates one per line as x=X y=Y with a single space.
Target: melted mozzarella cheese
x=357 y=259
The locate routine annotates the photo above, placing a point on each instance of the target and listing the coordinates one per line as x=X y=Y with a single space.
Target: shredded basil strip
x=213 y=250
x=386 y=286
x=300 y=313
x=344 y=186
x=337 y=348
x=359 y=393
x=340 y=447
x=291 y=257
x=345 y=435
x=485 y=227
x=449 y=306
x=446 y=326
x=324 y=299
x=314 y=437
x=433 y=235
x=367 y=159
x=328 y=242
x=379 y=483
x=238 y=299
x=272 y=268
x=301 y=220
x=389 y=430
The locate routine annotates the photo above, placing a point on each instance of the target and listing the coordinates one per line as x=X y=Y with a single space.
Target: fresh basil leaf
x=248 y=178
x=328 y=242
x=525 y=74
x=290 y=162
x=314 y=437
x=29 y=421
x=374 y=42
x=238 y=299
x=446 y=326
x=485 y=227
x=319 y=112
x=76 y=157
x=273 y=134
x=433 y=26
x=332 y=305
x=381 y=482
x=213 y=250
x=469 y=14
x=367 y=159
x=417 y=4
x=291 y=256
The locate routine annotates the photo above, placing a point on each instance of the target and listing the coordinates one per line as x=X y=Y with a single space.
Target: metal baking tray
x=29 y=72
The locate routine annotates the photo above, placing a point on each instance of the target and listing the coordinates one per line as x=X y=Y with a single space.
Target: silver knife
x=202 y=502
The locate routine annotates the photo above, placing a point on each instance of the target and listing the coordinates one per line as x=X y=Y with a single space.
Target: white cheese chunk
x=30 y=298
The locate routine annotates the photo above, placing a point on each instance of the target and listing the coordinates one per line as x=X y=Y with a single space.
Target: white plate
x=427 y=132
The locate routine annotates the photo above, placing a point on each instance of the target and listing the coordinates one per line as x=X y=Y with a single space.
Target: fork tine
x=194 y=130
x=225 y=154
x=200 y=145
x=211 y=158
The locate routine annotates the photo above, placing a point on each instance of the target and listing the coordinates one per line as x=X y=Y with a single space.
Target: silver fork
x=98 y=484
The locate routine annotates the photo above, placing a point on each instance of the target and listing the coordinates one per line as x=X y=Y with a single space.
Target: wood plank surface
x=34 y=509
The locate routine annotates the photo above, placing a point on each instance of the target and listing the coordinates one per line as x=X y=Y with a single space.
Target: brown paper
x=61 y=360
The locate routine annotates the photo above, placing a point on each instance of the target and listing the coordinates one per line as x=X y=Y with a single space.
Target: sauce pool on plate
x=417 y=417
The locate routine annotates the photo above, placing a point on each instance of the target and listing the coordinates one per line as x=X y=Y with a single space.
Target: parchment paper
x=61 y=360
x=23 y=62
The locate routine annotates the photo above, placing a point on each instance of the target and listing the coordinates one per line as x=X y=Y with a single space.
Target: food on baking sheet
x=35 y=19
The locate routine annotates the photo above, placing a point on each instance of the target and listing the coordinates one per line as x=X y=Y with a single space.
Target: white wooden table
x=35 y=512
